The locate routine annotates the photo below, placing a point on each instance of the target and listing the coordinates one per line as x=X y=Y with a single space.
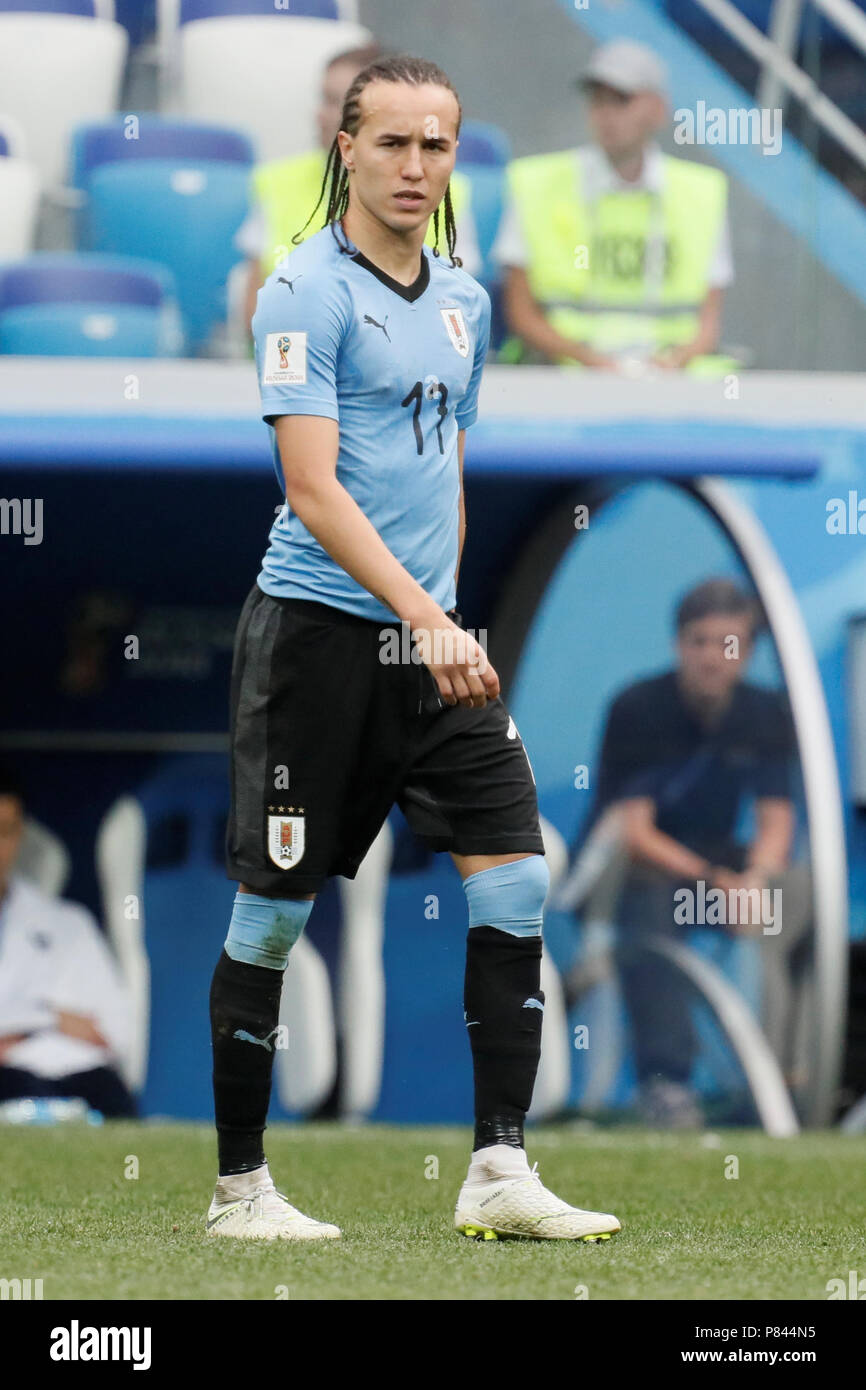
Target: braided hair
x=396 y=67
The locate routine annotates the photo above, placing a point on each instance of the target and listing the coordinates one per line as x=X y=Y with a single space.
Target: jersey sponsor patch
x=285 y=359
x=453 y=319
x=286 y=840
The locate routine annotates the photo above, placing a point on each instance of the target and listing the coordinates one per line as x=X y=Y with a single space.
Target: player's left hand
x=457 y=663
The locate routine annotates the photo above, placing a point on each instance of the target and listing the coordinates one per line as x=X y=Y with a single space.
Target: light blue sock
x=263 y=931
x=509 y=896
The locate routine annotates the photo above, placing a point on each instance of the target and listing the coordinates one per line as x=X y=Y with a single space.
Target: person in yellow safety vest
x=286 y=190
x=614 y=254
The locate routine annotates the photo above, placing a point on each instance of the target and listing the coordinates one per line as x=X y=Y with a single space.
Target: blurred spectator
x=615 y=253
x=63 y=1009
x=683 y=753
x=287 y=190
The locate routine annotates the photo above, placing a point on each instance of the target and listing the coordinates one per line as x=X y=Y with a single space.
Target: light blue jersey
x=399 y=367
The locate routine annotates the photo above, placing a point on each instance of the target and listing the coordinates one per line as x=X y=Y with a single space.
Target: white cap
x=627 y=67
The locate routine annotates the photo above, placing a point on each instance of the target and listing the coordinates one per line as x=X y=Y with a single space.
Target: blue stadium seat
x=223 y=9
x=482 y=155
x=109 y=141
x=138 y=17
x=72 y=305
x=187 y=907
x=177 y=194
x=488 y=202
x=89 y=9
x=488 y=199
x=483 y=144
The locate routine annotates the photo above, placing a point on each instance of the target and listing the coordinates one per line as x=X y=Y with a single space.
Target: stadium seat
x=482 y=155
x=483 y=144
x=19 y=207
x=138 y=18
x=488 y=201
x=43 y=858
x=56 y=72
x=70 y=305
x=483 y=152
x=170 y=865
x=87 y=9
x=119 y=852
x=111 y=142
x=165 y=847
x=190 y=10
x=260 y=74
x=178 y=194
x=19 y=192
x=12 y=142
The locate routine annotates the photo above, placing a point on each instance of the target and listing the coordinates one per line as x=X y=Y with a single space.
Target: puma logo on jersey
x=368 y=319
x=281 y=280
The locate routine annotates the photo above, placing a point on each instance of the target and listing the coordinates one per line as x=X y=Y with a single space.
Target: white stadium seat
x=44 y=858
x=12 y=139
x=56 y=72
x=260 y=74
x=120 y=852
x=19 y=207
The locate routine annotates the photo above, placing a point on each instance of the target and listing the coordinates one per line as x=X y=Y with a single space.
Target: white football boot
x=522 y=1206
x=248 y=1205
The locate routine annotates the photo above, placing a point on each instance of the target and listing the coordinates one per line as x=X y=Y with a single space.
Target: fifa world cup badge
x=285 y=361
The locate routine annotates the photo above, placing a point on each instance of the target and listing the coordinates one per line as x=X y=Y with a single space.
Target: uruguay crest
x=453 y=320
x=286 y=840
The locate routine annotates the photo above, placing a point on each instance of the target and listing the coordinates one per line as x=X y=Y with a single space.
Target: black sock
x=503 y=972
x=243 y=998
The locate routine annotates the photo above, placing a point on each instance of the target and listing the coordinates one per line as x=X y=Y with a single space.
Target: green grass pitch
x=793 y=1219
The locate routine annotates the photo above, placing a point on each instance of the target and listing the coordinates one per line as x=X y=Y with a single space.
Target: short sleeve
x=467 y=411
x=774 y=779
x=298 y=327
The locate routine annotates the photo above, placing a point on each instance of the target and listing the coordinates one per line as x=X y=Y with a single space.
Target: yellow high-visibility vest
x=287 y=190
x=628 y=270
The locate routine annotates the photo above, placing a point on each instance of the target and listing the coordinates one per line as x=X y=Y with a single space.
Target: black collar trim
x=408 y=292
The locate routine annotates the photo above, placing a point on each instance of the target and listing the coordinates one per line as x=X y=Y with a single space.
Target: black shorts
x=325 y=738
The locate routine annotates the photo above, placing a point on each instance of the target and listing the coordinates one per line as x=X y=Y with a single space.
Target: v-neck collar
x=407 y=292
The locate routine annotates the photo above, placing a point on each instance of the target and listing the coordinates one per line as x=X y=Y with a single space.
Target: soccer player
x=369 y=349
